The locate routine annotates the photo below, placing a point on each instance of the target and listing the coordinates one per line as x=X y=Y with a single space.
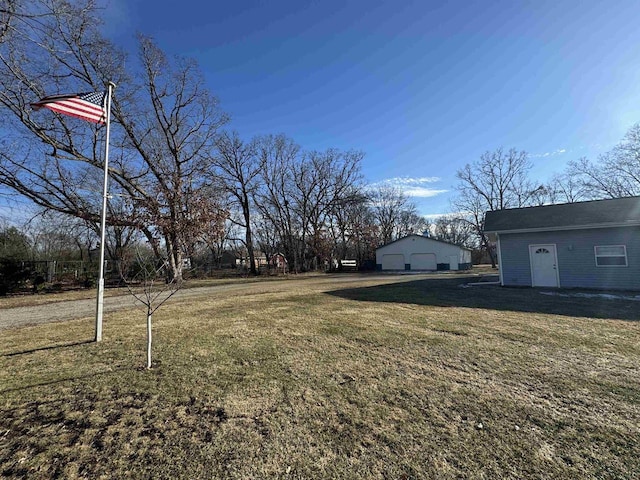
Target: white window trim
x=500 y=272
x=596 y=256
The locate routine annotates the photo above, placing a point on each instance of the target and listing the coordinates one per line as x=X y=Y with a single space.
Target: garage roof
x=616 y=212
x=423 y=238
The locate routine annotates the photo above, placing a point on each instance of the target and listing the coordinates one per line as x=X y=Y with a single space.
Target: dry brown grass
x=31 y=299
x=369 y=381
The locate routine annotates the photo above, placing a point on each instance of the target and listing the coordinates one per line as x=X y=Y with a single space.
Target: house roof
x=618 y=212
x=424 y=238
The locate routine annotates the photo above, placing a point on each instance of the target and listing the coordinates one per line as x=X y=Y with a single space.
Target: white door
x=393 y=261
x=544 y=265
x=423 y=261
x=453 y=262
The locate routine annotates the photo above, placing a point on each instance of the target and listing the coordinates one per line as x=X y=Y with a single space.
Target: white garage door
x=393 y=261
x=423 y=261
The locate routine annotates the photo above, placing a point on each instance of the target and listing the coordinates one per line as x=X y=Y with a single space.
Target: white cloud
x=435 y=216
x=412 y=186
x=422 y=192
x=553 y=153
x=412 y=180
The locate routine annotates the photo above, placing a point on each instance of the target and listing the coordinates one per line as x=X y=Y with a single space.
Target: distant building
x=228 y=260
x=420 y=253
x=592 y=244
x=279 y=262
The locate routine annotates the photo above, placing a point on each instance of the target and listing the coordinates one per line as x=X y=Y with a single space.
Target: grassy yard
x=419 y=379
x=28 y=299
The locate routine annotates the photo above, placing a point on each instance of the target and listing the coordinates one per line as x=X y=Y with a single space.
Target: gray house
x=592 y=244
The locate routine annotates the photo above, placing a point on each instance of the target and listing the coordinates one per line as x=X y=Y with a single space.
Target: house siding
x=576 y=257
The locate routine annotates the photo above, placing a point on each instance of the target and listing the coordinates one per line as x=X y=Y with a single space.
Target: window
x=611 y=256
x=542 y=250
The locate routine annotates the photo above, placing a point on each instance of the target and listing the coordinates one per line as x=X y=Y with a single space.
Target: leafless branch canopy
x=164 y=125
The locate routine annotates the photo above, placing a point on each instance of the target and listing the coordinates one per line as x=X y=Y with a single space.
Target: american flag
x=90 y=106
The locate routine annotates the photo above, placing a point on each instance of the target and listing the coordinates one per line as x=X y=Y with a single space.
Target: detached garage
x=420 y=253
x=592 y=244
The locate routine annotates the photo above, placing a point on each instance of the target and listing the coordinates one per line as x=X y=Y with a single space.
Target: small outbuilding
x=420 y=253
x=593 y=244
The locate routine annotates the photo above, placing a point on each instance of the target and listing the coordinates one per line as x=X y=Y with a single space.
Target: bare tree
x=266 y=239
x=410 y=222
x=12 y=12
x=164 y=125
x=146 y=280
x=343 y=222
x=173 y=136
x=237 y=167
x=615 y=174
x=215 y=237
x=387 y=203
x=299 y=193
x=496 y=181
x=321 y=182
x=354 y=229
x=278 y=154
x=455 y=229
x=61 y=237
x=120 y=239
x=396 y=216
x=566 y=188
x=7 y=13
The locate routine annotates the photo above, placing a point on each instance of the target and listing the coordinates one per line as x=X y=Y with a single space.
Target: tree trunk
x=174 y=255
x=248 y=235
x=148 y=340
x=492 y=256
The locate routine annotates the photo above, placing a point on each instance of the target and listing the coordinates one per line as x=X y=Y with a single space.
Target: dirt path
x=68 y=310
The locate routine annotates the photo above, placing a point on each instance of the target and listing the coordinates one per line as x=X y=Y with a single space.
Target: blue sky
x=421 y=87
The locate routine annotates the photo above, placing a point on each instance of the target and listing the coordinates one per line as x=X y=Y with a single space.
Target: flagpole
x=103 y=225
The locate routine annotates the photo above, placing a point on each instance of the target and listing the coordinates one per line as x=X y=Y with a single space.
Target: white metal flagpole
x=103 y=226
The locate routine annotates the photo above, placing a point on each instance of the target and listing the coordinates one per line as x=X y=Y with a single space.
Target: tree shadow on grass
x=446 y=292
x=58 y=381
x=49 y=347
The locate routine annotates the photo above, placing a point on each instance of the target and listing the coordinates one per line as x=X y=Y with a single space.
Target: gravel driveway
x=71 y=309
x=68 y=310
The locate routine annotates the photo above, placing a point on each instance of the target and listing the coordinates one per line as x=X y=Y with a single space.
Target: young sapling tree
x=150 y=282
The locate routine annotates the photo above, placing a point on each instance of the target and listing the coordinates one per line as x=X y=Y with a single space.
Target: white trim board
x=560 y=229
